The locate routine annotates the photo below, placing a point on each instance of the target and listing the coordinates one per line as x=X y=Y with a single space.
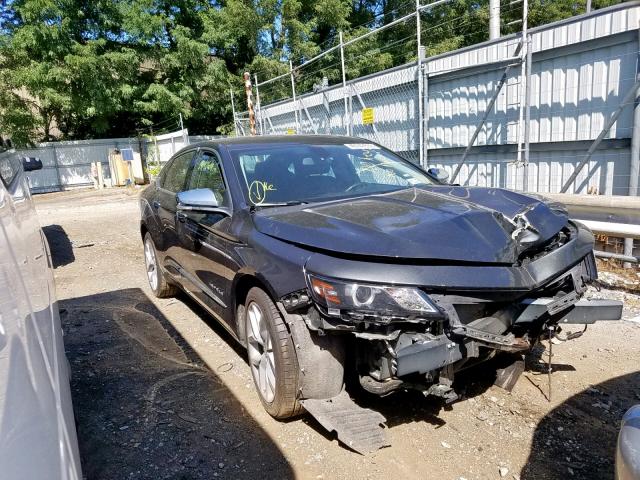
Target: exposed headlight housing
x=368 y=302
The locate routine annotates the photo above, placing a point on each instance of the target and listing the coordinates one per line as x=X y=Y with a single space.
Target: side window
x=176 y=173
x=208 y=174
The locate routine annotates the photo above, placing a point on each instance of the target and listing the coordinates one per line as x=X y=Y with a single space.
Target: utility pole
x=494 y=19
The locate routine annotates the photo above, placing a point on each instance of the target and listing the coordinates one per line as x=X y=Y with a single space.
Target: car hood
x=440 y=223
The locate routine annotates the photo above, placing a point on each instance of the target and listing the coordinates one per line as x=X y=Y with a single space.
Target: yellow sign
x=367 y=116
x=291 y=131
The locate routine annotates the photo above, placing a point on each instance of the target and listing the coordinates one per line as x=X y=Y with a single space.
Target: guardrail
x=615 y=216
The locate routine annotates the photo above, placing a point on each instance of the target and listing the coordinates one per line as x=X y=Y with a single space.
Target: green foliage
x=75 y=69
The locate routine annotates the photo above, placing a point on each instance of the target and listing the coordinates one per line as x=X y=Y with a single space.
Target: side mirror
x=200 y=199
x=29 y=164
x=439 y=174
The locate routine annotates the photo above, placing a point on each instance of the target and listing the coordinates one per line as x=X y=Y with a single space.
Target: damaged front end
x=415 y=326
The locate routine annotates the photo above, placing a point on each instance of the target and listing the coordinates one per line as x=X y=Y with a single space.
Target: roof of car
x=257 y=140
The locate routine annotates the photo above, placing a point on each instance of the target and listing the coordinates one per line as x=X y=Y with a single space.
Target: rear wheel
x=272 y=356
x=157 y=281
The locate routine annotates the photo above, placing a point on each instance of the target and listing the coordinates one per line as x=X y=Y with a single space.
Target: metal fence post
x=419 y=75
x=233 y=108
x=57 y=165
x=527 y=116
x=524 y=84
x=425 y=113
x=258 y=106
x=295 y=103
x=347 y=121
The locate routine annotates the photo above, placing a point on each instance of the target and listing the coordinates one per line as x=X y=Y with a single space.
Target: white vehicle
x=37 y=430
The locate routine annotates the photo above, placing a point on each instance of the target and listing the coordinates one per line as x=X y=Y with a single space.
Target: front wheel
x=272 y=356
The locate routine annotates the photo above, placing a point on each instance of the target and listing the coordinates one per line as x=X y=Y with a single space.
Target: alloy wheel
x=260 y=349
x=150 y=262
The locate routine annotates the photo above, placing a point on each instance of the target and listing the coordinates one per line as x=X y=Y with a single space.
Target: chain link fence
x=548 y=109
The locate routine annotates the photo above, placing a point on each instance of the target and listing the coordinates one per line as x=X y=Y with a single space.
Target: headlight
x=359 y=301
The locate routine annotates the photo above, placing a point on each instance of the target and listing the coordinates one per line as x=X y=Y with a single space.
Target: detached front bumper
x=584 y=312
x=425 y=353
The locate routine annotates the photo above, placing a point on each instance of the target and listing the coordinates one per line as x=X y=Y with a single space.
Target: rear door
x=172 y=181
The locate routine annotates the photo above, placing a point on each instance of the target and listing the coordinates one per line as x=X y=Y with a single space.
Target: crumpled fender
x=320 y=359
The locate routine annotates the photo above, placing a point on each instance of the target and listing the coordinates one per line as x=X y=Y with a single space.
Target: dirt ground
x=161 y=391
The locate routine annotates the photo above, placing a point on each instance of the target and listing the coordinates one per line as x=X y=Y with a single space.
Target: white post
x=293 y=91
x=420 y=106
x=347 y=123
x=494 y=19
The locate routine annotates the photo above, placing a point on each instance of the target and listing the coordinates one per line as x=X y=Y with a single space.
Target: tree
x=76 y=69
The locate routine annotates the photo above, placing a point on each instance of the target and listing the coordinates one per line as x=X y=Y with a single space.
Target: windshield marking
x=258 y=191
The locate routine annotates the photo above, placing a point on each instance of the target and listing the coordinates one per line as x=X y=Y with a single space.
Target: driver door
x=204 y=236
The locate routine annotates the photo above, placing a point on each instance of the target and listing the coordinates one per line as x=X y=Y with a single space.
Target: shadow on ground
x=59 y=244
x=146 y=405
x=577 y=439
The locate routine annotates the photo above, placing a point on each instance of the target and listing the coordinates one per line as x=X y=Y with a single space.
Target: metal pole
x=344 y=87
x=233 y=109
x=258 y=105
x=425 y=124
x=293 y=91
x=523 y=92
x=419 y=74
x=57 y=165
x=588 y=9
x=628 y=98
x=634 y=171
x=527 y=116
x=502 y=81
x=494 y=19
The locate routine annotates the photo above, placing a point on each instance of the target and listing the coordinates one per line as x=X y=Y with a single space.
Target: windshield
x=300 y=173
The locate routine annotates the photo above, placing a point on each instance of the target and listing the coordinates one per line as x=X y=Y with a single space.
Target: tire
x=158 y=283
x=272 y=357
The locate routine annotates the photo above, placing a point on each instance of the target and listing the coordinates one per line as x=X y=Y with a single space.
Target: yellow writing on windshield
x=258 y=191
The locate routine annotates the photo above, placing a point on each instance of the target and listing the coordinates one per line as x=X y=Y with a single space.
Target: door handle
x=155 y=204
x=181 y=216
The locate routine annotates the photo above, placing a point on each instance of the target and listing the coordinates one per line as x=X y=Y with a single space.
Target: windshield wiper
x=281 y=204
